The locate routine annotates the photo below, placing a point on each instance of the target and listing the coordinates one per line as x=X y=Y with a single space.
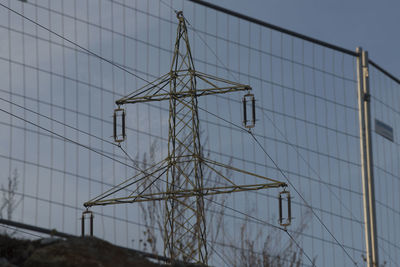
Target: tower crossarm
x=157 y=90
x=215 y=85
x=155 y=172
x=153 y=91
x=184 y=194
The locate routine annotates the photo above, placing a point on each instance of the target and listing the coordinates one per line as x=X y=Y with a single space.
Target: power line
x=229 y=12
x=308 y=205
x=138 y=169
x=75 y=44
x=315 y=172
x=103 y=152
x=89 y=52
x=99 y=138
x=268 y=224
x=280 y=170
x=141 y=224
x=53 y=232
x=66 y=138
x=60 y=122
x=94 y=150
x=276 y=165
x=287 y=141
x=294 y=34
x=87 y=147
x=87 y=178
x=123 y=69
x=21 y=231
x=242 y=128
x=207 y=150
x=79 y=144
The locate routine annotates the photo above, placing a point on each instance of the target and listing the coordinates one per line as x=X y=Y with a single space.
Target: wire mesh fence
x=56 y=123
x=384 y=112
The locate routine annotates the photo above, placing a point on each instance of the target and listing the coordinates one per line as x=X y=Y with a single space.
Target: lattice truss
x=182 y=170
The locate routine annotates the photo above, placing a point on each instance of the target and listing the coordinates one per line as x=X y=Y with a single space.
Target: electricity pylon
x=184 y=166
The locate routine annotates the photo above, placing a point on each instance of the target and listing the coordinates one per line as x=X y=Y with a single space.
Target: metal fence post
x=364 y=97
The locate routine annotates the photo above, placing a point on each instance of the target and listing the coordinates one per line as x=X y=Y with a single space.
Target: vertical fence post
x=364 y=97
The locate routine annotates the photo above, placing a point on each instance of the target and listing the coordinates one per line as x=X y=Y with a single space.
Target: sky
x=315 y=106
x=373 y=25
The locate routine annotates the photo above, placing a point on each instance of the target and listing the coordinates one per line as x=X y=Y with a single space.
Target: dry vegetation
x=247 y=254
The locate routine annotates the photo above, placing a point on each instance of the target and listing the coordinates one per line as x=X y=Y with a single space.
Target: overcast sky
x=315 y=106
x=374 y=25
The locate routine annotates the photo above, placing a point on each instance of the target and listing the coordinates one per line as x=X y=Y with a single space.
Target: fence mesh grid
x=307 y=122
x=384 y=108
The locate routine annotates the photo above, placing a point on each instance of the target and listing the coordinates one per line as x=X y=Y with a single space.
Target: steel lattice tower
x=184 y=218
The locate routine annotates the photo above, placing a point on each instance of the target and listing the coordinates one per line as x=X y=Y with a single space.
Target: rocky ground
x=87 y=251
